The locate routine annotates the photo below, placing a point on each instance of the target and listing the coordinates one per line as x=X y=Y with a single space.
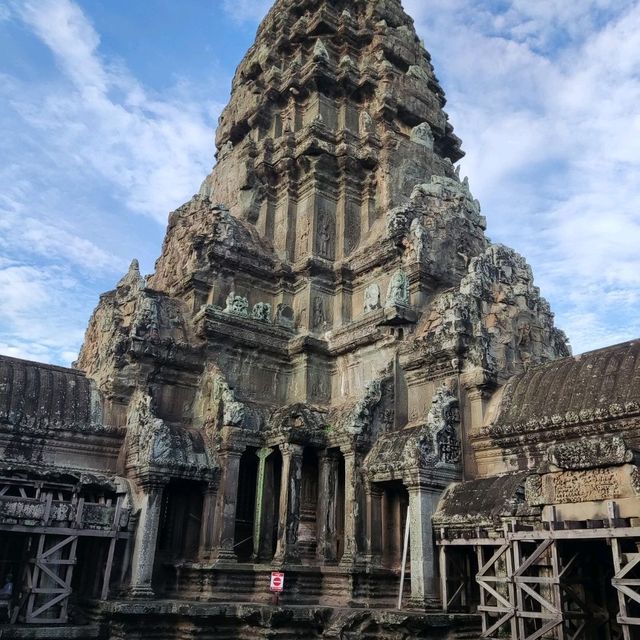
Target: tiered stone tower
x=321 y=311
x=321 y=334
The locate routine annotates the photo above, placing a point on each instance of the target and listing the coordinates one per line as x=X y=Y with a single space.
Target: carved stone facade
x=329 y=342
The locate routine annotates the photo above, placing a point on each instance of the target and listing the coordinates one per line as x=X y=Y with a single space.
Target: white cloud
x=545 y=97
x=150 y=148
x=246 y=10
x=83 y=149
x=35 y=312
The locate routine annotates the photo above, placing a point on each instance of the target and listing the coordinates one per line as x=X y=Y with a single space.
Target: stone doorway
x=308 y=529
x=340 y=507
x=181 y=521
x=246 y=506
x=267 y=512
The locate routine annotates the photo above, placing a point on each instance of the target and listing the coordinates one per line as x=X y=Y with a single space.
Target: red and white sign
x=277 y=582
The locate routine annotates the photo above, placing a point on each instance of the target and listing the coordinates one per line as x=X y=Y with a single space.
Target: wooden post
x=262 y=454
x=405 y=549
x=622 y=601
x=112 y=548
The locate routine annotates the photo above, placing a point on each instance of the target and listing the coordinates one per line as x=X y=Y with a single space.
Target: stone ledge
x=49 y=632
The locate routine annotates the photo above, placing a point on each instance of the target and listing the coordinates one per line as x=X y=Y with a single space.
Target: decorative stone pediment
x=153 y=444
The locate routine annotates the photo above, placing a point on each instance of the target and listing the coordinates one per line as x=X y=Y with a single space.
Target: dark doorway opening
x=589 y=600
x=308 y=529
x=395 y=503
x=181 y=521
x=246 y=505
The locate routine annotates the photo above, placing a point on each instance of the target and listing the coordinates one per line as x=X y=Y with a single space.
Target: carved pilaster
x=225 y=520
x=289 y=517
x=352 y=506
x=327 y=505
x=373 y=499
x=209 y=496
x=423 y=502
x=144 y=552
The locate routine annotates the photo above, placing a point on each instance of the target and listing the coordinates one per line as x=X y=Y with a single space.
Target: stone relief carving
x=320 y=53
x=422 y=135
x=319 y=315
x=361 y=417
x=443 y=421
x=153 y=443
x=420 y=240
x=147 y=323
x=233 y=412
x=397 y=221
x=237 y=305
x=398 y=292
x=285 y=317
x=325 y=244
x=372 y=298
x=261 y=312
x=589 y=453
x=367 y=125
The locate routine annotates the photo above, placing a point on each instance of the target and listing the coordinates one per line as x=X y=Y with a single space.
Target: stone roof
x=593 y=387
x=481 y=502
x=35 y=396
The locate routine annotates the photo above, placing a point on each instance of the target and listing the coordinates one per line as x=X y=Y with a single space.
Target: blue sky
x=107 y=118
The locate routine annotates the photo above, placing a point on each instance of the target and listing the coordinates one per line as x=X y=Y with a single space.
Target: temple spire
x=335 y=115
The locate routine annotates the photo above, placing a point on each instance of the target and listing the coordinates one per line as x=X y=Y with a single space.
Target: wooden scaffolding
x=533 y=584
x=53 y=518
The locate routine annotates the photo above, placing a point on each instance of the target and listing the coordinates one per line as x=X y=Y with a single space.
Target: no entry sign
x=277 y=582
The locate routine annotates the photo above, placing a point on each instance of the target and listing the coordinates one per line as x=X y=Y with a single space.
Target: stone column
x=422 y=505
x=146 y=539
x=352 y=513
x=327 y=503
x=289 y=517
x=225 y=521
x=208 y=515
x=373 y=495
x=262 y=454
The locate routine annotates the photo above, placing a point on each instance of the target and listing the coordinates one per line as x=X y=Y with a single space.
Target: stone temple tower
x=324 y=321
x=323 y=328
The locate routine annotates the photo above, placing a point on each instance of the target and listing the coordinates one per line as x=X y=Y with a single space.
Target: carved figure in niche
x=324 y=236
x=372 y=298
x=422 y=135
x=398 y=293
x=303 y=240
x=524 y=342
x=261 y=312
x=420 y=240
x=367 y=126
x=443 y=420
x=319 y=317
x=319 y=386
x=147 y=323
x=449 y=450
x=237 y=305
x=285 y=317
